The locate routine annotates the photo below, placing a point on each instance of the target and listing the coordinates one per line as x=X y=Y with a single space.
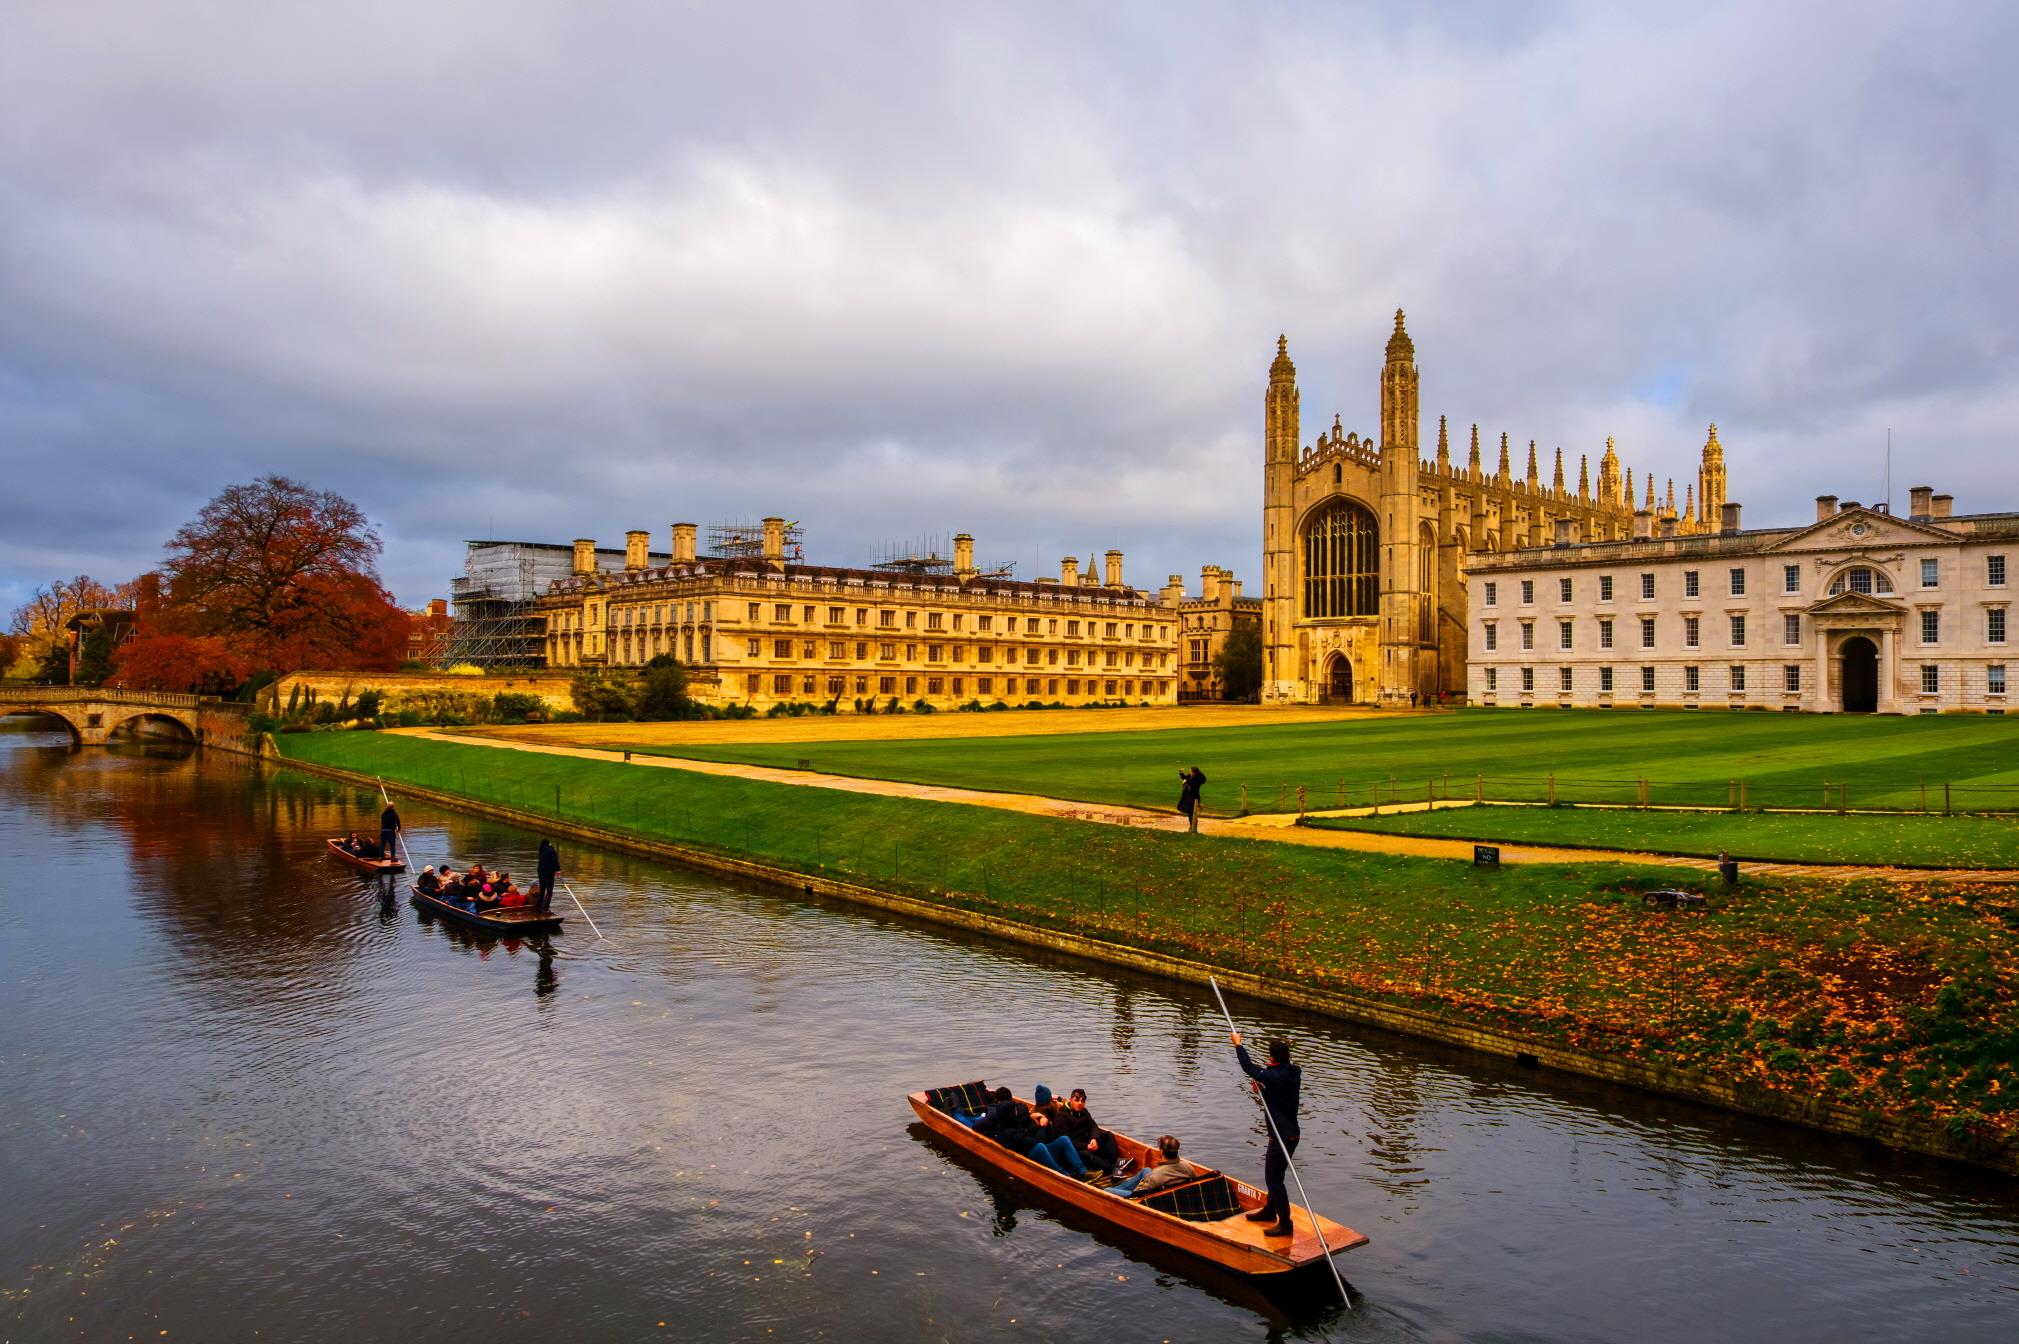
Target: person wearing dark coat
x=389 y=827
x=550 y=873
x=1095 y=1145
x=1188 y=794
x=1279 y=1082
x=1008 y=1122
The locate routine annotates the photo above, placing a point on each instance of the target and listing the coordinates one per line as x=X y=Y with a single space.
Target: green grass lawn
x=1687 y=758
x=1883 y=996
x=1929 y=842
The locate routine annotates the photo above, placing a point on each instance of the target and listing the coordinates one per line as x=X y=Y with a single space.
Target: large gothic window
x=1341 y=562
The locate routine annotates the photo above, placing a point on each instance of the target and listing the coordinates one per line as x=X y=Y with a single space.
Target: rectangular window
x=836 y=649
x=781 y=648
x=1690 y=583
x=1492 y=593
x=1738 y=676
x=861 y=650
x=1563 y=678
x=835 y=615
x=984 y=623
x=1492 y=637
x=1563 y=590
x=985 y=685
x=1691 y=627
x=806 y=614
x=886 y=685
x=862 y=685
x=1605 y=678
x=1527 y=678
x=1563 y=635
x=1931 y=678
x=911 y=620
x=1738 y=583
x=1605 y=633
x=756 y=648
x=1994 y=570
x=753 y=611
x=1931 y=627
x=1791 y=677
x=862 y=615
x=1605 y=587
x=1690 y=682
x=935 y=621
x=1646 y=587
x=1994 y=626
x=1492 y=678
x=1647 y=632
x=1994 y=679
x=1791 y=629
x=911 y=685
x=1647 y=679
x=1527 y=591
x=887 y=652
x=782 y=684
x=1528 y=634
x=935 y=686
x=935 y=653
x=782 y=611
x=1738 y=632
x=886 y=620
x=1791 y=578
x=1931 y=573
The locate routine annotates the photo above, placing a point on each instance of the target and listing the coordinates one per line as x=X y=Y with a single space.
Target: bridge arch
x=9 y=711
x=136 y=725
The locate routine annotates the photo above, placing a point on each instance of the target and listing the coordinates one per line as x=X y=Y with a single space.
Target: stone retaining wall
x=393 y=686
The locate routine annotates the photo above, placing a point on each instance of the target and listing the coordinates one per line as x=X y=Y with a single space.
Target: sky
x=541 y=269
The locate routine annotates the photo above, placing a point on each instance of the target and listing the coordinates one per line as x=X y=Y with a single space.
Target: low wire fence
x=1734 y=794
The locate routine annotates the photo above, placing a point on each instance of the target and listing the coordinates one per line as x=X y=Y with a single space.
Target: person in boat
x=1010 y=1123
x=389 y=829
x=429 y=884
x=550 y=876
x=509 y=895
x=1096 y=1147
x=1166 y=1170
x=485 y=897
x=1279 y=1082
x=354 y=846
x=456 y=891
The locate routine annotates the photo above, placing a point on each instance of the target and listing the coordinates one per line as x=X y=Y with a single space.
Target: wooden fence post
x=1552 y=790
x=1479 y=788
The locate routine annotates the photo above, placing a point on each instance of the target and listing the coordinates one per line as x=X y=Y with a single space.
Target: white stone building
x=1859 y=612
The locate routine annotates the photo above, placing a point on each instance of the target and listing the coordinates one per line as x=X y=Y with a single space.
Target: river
x=247 y=1099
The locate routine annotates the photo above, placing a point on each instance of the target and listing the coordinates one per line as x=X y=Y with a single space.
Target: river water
x=246 y=1099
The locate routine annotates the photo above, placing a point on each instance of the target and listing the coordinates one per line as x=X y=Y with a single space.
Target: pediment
x=1860 y=530
x=1855 y=604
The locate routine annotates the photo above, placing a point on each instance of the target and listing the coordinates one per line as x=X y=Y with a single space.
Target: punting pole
x=1329 y=1264
x=585 y=913
x=400 y=834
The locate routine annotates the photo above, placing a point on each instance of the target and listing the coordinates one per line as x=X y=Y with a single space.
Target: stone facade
x=765 y=629
x=1366 y=543
x=1204 y=624
x=1859 y=611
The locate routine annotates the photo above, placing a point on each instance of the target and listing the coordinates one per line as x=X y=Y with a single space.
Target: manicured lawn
x=1886 y=997
x=1929 y=842
x=1786 y=760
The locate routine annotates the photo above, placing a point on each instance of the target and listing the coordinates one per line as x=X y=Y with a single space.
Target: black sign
x=1486 y=856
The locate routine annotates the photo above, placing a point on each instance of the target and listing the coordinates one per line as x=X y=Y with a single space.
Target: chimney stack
x=963 y=556
x=1729 y=518
x=147 y=594
x=1209 y=582
x=1826 y=505
x=1069 y=571
x=1668 y=526
x=585 y=555
x=774 y=538
x=1173 y=591
x=1943 y=504
x=683 y=543
x=1563 y=537
x=637 y=550
x=1232 y=586
x=1920 y=503
x=1114 y=569
x=1643 y=524
x=1848 y=505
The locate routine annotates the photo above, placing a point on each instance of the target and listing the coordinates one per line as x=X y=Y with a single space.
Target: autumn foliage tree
x=41 y=641
x=270 y=576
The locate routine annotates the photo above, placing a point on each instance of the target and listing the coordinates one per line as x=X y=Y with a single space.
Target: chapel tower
x=1280 y=435
x=1399 y=508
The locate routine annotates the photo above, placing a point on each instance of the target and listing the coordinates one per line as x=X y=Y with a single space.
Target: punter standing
x=389 y=830
x=1278 y=1083
x=550 y=873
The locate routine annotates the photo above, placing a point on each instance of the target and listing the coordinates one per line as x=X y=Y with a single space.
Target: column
x=1889 y=685
x=1820 y=697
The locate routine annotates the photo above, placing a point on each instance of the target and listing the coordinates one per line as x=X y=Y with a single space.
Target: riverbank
x=1856 y=1008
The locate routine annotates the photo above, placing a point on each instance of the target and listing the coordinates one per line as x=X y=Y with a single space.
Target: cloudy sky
x=541 y=270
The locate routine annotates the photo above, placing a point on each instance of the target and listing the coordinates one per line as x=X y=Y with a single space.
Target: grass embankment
x=1687 y=759
x=1879 y=840
x=1896 y=1000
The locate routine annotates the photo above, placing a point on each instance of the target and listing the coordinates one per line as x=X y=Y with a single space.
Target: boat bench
x=961 y=1099
x=1206 y=1200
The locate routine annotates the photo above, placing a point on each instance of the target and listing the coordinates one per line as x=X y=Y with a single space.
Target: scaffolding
x=495 y=626
x=930 y=555
x=745 y=541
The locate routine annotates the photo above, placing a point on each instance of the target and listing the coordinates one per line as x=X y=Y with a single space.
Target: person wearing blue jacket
x=1279 y=1083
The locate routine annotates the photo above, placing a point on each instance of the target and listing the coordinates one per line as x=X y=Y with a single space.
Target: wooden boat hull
x=372 y=866
x=515 y=923
x=1233 y=1243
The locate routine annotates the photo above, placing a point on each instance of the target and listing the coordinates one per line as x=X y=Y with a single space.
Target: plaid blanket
x=961 y=1099
x=1202 y=1201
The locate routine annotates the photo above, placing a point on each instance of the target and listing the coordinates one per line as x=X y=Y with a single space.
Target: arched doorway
x=1339 y=679
x=1861 y=675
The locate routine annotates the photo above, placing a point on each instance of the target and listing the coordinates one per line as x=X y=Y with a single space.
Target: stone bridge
x=95 y=714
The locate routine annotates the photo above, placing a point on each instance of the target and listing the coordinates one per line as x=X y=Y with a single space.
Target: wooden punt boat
x=372 y=866
x=514 y=922
x=1205 y=1218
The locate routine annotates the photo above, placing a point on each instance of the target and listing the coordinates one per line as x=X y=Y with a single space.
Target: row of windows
x=786 y=683
x=1859 y=580
x=1735 y=676
x=1791 y=631
x=984 y=623
x=939 y=653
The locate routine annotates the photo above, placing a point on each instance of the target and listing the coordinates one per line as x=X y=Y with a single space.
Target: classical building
x=1205 y=623
x=1366 y=543
x=1859 y=611
x=758 y=626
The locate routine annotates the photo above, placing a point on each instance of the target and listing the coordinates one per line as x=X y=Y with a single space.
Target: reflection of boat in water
x=372 y=866
x=1205 y=1219
x=519 y=921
